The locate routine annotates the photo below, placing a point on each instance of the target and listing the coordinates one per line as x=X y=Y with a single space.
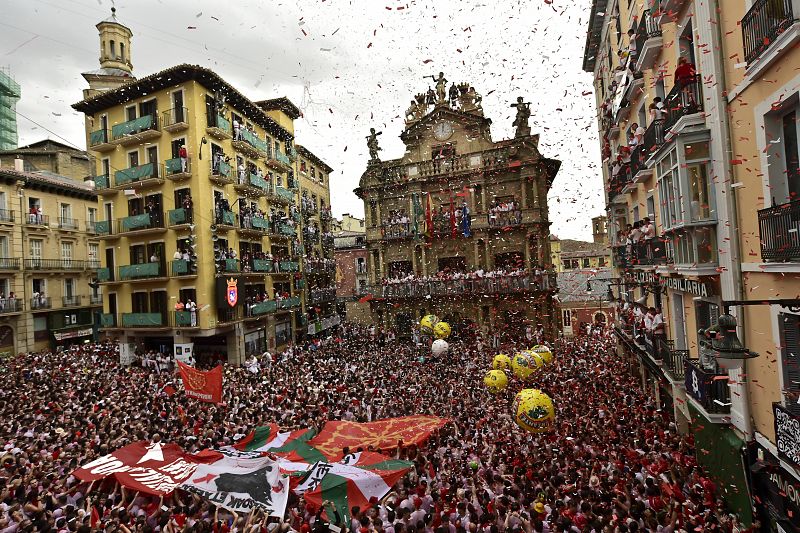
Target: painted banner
x=184 y=352
x=206 y=386
x=241 y=482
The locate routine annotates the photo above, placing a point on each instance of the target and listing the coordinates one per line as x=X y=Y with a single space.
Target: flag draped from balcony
x=416 y=212
x=466 y=223
x=453 y=227
x=428 y=216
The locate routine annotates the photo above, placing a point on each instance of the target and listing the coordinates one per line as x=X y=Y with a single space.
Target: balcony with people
x=178 y=168
x=396 y=225
x=218 y=126
x=139 y=176
x=642 y=247
x=319 y=295
x=10 y=304
x=251 y=180
x=252 y=220
x=222 y=171
x=459 y=284
x=321 y=265
x=504 y=213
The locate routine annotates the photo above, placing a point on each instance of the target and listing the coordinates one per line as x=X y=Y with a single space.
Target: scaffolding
x=9 y=94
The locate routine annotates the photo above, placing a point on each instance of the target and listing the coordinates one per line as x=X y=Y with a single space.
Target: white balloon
x=439 y=347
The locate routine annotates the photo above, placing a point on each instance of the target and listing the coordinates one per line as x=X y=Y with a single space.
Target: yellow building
x=49 y=251
x=457 y=206
x=199 y=207
x=697 y=105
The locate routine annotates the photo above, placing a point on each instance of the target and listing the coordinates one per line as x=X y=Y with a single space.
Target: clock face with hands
x=442 y=130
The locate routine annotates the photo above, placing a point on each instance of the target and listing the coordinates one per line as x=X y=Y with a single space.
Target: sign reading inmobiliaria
x=205 y=386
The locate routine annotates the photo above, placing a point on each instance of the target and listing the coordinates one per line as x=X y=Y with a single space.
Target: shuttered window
x=790 y=360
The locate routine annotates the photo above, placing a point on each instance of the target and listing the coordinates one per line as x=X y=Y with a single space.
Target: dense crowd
x=614 y=463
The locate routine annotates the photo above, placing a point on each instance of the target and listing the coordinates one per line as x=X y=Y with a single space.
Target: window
x=781 y=128
x=313 y=173
x=122 y=51
x=69 y=288
x=36 y=246
x=361 y=265
x=3 y=246
x=66 y=251
x=3 y=201
x=789 y=326
x=130 y=112
x=66 y=212
x=585 y=262
x=567 y=317
x=303 y=166
x=668 y=182
x=133 y=159
x=94 y=254
x=601 y=261
x=113 y=49
x=39 y=286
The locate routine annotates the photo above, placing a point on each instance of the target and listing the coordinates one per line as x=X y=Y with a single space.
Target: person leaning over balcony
x=648 y=234
x=685 y=74
x=634 y=237
x=177 y=256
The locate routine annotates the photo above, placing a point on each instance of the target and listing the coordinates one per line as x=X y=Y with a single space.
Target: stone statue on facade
x=417 y=109
x=372 y=145
x=469 y=100
x=453 y=94
x=441 y=88
x=521 y=120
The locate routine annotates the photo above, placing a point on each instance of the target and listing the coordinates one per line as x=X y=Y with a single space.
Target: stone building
x=457 y=206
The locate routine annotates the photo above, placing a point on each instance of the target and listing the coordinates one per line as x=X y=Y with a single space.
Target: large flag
x=416 y=212
x=241 y=482
x=382 y=435
x=350 y=482
x=205 y=386
x=290 y=444
x=150 y=468
x=428 y=216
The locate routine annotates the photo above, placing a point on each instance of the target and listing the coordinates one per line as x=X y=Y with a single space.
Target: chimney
x=19 y=164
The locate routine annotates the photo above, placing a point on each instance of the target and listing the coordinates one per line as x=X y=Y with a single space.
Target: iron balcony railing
x=143 y=320
x=132 y=127
x=320 y=266
x=644 y=253
x=153 y=220
x=653 y=137
x=464 y=287
x=175 y=116
x=184 y=319
x=180 y=216
x=54 y=264
x=763 y=24
x=96 y=299
x=140 y=271
x=41 y=302
x=183 y=267
x=71 y=301
x=6 y=215
x=709 y=387
x=685 y=98
x=137 y=174
x=35 y=219
x=98 y=137
x=504 y=219
x=648 y=28
x=9 y=263
x=675 y=362
x=175 y=166
x=779 y=228
x=11 y=305
x=321 y=295
x=68 y=223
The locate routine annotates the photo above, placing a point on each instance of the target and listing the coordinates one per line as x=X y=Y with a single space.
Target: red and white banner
x=206 y=386
x=151 y=468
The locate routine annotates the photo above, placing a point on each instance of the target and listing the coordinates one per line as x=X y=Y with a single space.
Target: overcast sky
x=348 y=65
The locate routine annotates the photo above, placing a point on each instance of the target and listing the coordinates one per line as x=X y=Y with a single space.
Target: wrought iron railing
x=709 y=388
x=779 y=228
x=653 y=136
x=685 y=98
x=54 y=264
x=9 y=263
x=461 y=287
x=41 y=302
x=648 y=28
x=763 y=23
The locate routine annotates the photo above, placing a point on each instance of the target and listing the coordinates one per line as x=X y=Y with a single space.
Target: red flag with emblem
x=206 y=386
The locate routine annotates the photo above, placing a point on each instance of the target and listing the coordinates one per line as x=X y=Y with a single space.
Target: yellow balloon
x=501 y=362
x=524 y=365
x=427 y=323
x=534 y=411
x=441 y=330
x=544 y=352
x=495 y=381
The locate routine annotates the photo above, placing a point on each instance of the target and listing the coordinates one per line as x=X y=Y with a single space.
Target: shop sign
x=642 y=277
x=776 y=490
x=787 y=434
x=690 y=286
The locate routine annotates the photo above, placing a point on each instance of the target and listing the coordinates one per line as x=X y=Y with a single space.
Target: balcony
x=289 y=303
x=648 y=41
x=6 y=216
x=143 y=320
x=104 y=227
x=11 y=305
x=674 y=361
x=618 y=182
x=284 y=194
x=175 y=171
x=763 y=24
x=54 y=265
x=140 y=272
x=258 y=309
x=136 y=131
x=288 y=266
x=683 y=100
x=108 y=320
x=229 y=315
x=9 y=263
x=252 y=184
x=318 y=296
x=282 y=229
x=219 y=127
x=504 y=219
x=279 y=161
x=248 y=143
x=261 y=265
x=140 y=176
x=183 y=268
x=175 y=119
x=228 y=266
x=643 y=254
x=102 y=184
x=224 y=220
x=221 y=173
x=71 y=301
x=653 y=137
x=179 y=217
x=39 y=303
x=184 y=319
x=139 y=224
x=250 y=225
x=466 y=287
x=321 y=266
x=104 y=275
x=779 y=228
x=95 y=299
x=709 y=387
x=100 y=141
x=38 y=221
x=68 y=224
x=310 y=238
x=391 y=232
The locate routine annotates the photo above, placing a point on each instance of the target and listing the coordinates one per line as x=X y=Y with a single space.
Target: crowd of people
x=641 y=244
x=614 y=462
x=505 y=213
